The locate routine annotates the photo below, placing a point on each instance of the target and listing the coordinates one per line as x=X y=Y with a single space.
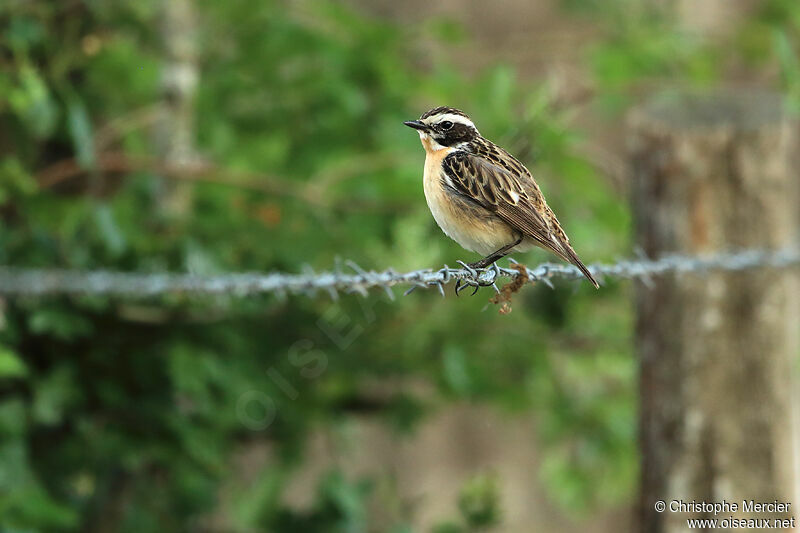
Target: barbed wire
x=16 y=281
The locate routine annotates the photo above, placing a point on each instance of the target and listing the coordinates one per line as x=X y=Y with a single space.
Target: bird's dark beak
x=416 y=124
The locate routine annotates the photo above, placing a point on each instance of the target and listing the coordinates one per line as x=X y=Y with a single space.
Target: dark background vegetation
x=208 y=137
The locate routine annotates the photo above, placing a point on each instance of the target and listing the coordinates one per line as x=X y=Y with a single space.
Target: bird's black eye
x=446 y=125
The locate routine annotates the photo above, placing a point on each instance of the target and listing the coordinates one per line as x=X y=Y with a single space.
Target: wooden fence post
x=712 y=173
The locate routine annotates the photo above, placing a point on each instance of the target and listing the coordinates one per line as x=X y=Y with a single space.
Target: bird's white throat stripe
x=449 y=116
x=435 y=146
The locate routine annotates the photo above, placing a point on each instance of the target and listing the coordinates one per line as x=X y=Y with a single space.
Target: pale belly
x=471 y=226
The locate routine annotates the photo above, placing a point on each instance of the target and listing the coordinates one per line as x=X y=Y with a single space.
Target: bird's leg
x=496 y=255
x=487 y=261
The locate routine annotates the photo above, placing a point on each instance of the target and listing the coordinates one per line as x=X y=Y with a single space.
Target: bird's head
x=444 y=126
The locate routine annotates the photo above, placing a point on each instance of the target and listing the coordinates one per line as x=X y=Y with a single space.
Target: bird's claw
x=461 y=284
x=484 y=278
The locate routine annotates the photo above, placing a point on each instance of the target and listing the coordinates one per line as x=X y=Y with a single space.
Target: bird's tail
x=568 y=254
x=572 y=257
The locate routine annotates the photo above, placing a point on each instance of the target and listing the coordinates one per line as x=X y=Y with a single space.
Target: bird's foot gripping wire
x=483 y=277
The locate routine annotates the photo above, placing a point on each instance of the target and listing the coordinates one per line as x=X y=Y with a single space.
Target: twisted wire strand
x=16 y=281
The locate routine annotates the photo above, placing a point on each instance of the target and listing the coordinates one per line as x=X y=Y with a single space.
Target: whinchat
x=483 y=197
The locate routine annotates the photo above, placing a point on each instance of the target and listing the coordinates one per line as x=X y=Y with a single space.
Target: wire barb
x=16 y=281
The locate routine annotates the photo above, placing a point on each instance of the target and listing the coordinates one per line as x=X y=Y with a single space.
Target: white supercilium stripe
x=451 y=117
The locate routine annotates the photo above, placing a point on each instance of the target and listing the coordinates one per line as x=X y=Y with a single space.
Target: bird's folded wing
x=500 y=190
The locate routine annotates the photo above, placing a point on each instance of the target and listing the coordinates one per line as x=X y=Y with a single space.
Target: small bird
x=483 y=197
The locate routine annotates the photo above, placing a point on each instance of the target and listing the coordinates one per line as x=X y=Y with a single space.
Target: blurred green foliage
x=120 y=416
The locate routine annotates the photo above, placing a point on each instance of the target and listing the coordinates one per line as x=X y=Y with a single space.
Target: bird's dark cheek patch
x=452 y=138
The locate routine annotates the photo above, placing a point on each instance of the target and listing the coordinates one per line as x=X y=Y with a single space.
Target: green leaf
x=53 y=396
x=15 y=180
x=12 y=418
x=24 y=32
x=109 y=230
x=479 y=501
x=24 y=504
x=80 y=131
x=11 y=366
x=59 y=323
x=790 y=67
x=448 y=527
x=31 y=100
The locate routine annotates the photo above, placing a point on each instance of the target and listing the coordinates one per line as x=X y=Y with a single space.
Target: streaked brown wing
x=501 y=189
